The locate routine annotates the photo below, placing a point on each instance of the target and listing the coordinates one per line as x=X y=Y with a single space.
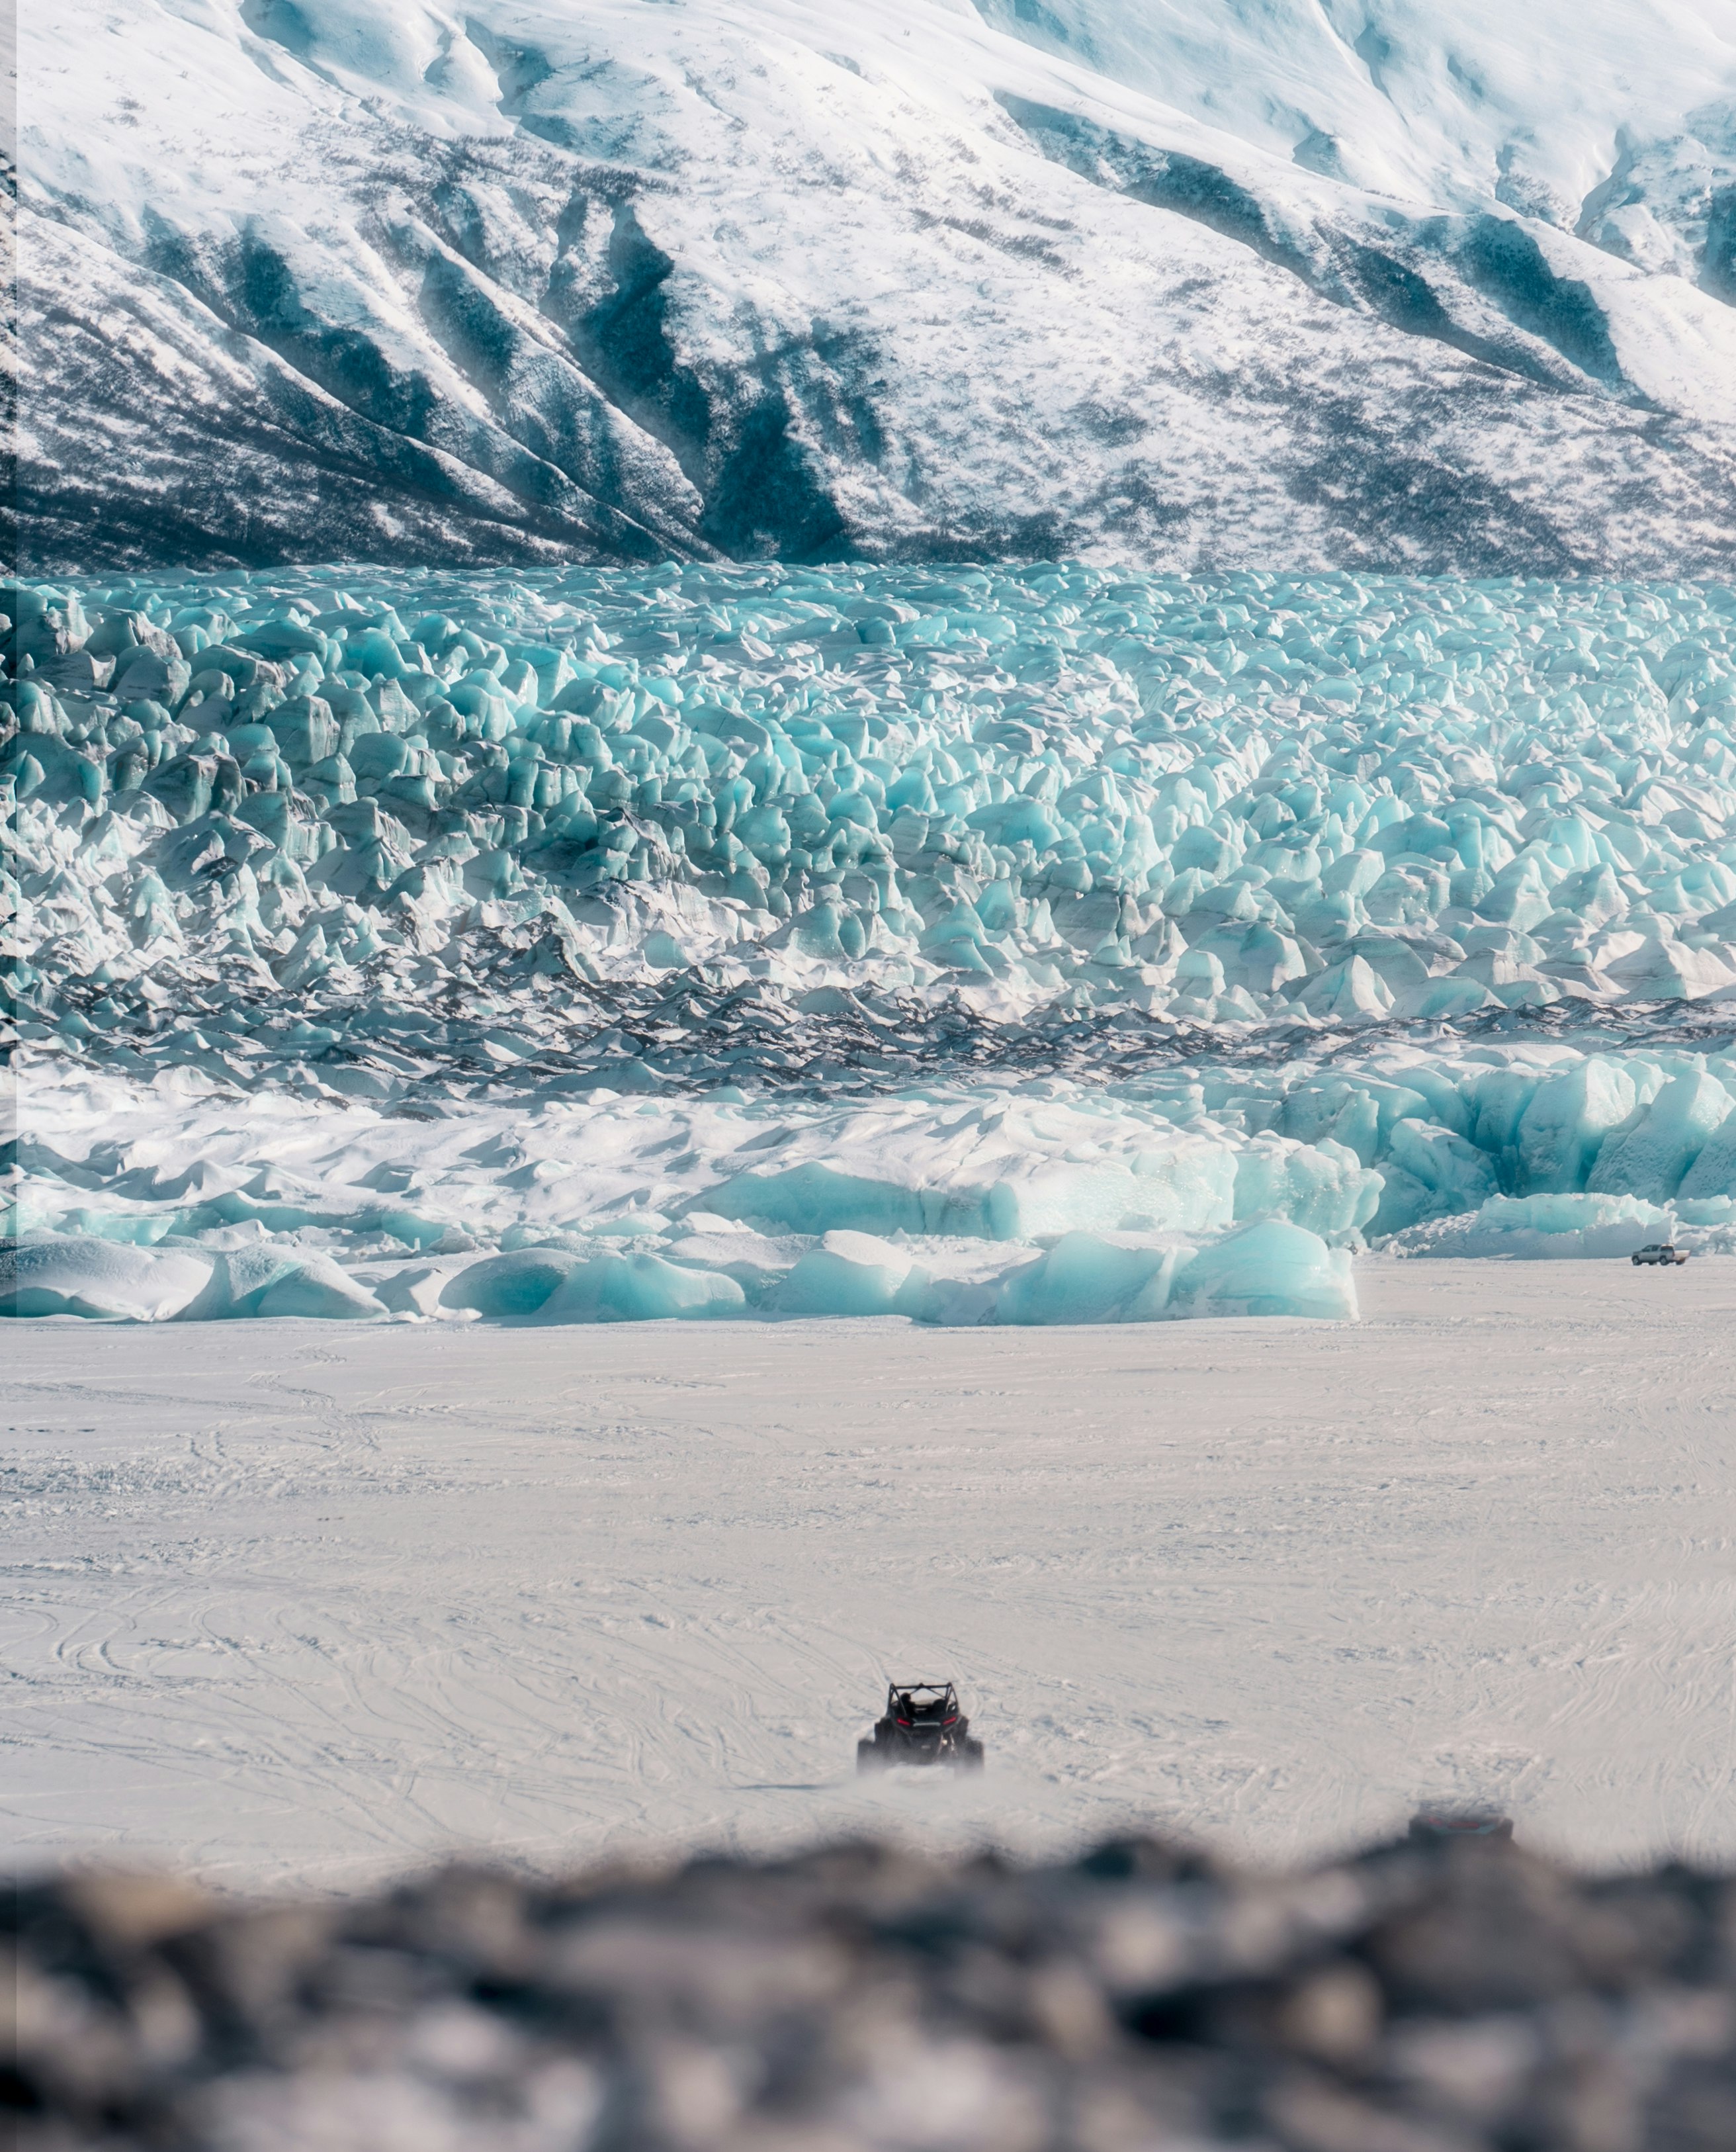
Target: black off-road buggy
x=923 y=1724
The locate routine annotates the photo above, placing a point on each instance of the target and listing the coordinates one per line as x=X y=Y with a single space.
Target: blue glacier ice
x=1052 y=944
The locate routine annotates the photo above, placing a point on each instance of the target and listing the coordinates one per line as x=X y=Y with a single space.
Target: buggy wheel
x=970 y=1757
x=868 y=1759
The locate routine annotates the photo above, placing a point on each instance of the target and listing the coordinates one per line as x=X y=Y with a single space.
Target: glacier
x=1370 y=285
x=965 y=945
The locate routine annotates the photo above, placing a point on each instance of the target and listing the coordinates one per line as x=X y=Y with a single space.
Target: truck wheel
x=868 y=1759
x=971 y=1758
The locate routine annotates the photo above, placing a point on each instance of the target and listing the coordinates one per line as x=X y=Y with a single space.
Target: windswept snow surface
x=1045 y=948
x=1372 y=283
x=301 y=1603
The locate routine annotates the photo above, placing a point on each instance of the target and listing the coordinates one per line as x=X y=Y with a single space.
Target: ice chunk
x=848 y=1274
x=1272 y=1268
x=262 y=1280
x=640 y=1288
x=1351 y=992
x=817 y=1197
x=949 y=1302
x=96 y=1278
x=1323 y=1187
x=1429 y=1172
x=1085 y=1277
x=1187 y=1185
x=508 y=1285
x=1552 y=1227
x=1714 y=1172
x=1652 y=1158
x=1435 y=999
x=1563 y=1127
x=1671 y=970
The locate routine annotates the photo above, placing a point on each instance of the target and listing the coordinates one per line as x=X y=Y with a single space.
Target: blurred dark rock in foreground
x=1443 y=1997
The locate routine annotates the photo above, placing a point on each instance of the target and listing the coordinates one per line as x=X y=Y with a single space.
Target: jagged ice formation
x=1039 y=947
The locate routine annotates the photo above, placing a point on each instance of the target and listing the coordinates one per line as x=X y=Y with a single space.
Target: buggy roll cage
x=944 y=1693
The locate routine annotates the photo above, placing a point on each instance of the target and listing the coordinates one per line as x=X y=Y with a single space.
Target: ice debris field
x=1047 y=945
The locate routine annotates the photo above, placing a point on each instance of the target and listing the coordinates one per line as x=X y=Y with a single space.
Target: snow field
x=299 y=1602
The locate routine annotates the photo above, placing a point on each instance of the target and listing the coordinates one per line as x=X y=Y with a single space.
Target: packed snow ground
x=1378 y=283
x=312 y=1603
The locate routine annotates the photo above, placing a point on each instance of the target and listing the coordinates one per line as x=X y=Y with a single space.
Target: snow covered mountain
x=1366 y=282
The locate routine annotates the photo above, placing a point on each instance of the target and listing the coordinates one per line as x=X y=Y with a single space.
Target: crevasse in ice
x=1031 y=946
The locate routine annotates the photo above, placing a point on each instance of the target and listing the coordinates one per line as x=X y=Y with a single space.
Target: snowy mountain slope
x=1554 y=108
x=317 y=278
